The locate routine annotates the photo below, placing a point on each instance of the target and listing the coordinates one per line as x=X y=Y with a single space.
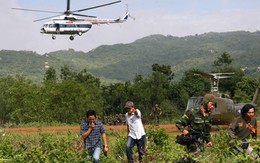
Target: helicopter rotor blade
x=47 y=18
x=96 y=6
x=68 y=5
x=207 y=75
x=35 y=10
x=256 y=95
x=89 y=16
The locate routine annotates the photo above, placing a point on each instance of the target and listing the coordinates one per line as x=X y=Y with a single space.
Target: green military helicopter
x=225 y=110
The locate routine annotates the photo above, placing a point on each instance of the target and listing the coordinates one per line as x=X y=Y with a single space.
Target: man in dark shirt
x=244 y=127
x=90 y=130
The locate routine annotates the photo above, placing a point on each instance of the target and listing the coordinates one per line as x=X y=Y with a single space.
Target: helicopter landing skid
x=71 y=37
x=53 y=37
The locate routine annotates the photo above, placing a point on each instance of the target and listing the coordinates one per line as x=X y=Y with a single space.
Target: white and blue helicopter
x=67 y=22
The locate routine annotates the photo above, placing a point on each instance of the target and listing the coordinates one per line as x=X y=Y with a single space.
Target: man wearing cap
x=135 y=131
x=198 y=120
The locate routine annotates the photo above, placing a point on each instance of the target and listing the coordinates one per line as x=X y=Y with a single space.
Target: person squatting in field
x=197 y=120
x=135 y=131
x=91 y=131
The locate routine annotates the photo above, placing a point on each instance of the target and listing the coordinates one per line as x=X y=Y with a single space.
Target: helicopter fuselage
x=66 y=27
x=223 y=113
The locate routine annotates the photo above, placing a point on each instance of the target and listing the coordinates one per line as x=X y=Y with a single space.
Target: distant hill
x=121 y=62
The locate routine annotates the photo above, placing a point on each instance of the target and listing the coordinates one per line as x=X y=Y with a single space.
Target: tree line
x=65 y=98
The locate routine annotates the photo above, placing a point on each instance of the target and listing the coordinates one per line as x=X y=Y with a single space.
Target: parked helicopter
x=225 y=110
x=67 y=22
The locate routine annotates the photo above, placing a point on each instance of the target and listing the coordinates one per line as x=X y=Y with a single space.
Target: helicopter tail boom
x=108 y=21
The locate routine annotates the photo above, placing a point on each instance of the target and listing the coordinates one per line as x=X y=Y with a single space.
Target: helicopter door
x=78 y=29
x=57 y=26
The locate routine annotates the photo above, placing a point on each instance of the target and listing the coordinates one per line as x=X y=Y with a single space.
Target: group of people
x=195 y=120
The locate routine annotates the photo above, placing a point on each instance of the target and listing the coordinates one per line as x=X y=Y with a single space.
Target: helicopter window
x=69 y=25
x=87 y=26
x=229 y=107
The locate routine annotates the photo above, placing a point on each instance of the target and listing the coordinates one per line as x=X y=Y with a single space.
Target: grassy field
x=64 y=146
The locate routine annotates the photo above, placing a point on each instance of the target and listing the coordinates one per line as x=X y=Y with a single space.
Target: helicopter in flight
x=67 y=22
x=225 y=109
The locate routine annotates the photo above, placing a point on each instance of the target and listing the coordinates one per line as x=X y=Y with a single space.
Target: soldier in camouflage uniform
x=198 y=120
x=156 y=112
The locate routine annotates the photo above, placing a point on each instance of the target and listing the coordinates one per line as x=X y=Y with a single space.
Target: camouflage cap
x=129 y=104
x=209 y=98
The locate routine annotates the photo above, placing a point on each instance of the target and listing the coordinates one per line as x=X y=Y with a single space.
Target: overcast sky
x=167 y=17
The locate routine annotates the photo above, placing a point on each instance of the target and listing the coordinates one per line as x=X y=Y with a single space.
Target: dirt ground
x=170 y=128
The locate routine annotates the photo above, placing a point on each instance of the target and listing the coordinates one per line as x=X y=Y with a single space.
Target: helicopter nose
x=42 y=30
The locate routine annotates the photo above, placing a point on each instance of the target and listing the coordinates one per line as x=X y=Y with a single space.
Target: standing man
x=244 y=127
x=198 y=120
x=91 y=131
x=135 y=131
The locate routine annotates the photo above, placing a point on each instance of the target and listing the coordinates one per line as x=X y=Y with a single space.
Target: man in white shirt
x=135 y=131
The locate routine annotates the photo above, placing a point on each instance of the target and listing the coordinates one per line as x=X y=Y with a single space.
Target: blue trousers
x=140 y=146
x=95 y=154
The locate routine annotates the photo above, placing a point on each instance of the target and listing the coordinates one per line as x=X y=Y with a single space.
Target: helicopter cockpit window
x=229 y=107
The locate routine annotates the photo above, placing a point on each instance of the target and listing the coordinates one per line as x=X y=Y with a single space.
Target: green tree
x=245 y=89
x=223 y=65
x=115 y=97
x=86 y=78
x=224 y=60
x=194 y=84
x=66 y=73
x=159 y=82
x=20 y=99
x=50 y=75
x=164 y=69
x=68 y=101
